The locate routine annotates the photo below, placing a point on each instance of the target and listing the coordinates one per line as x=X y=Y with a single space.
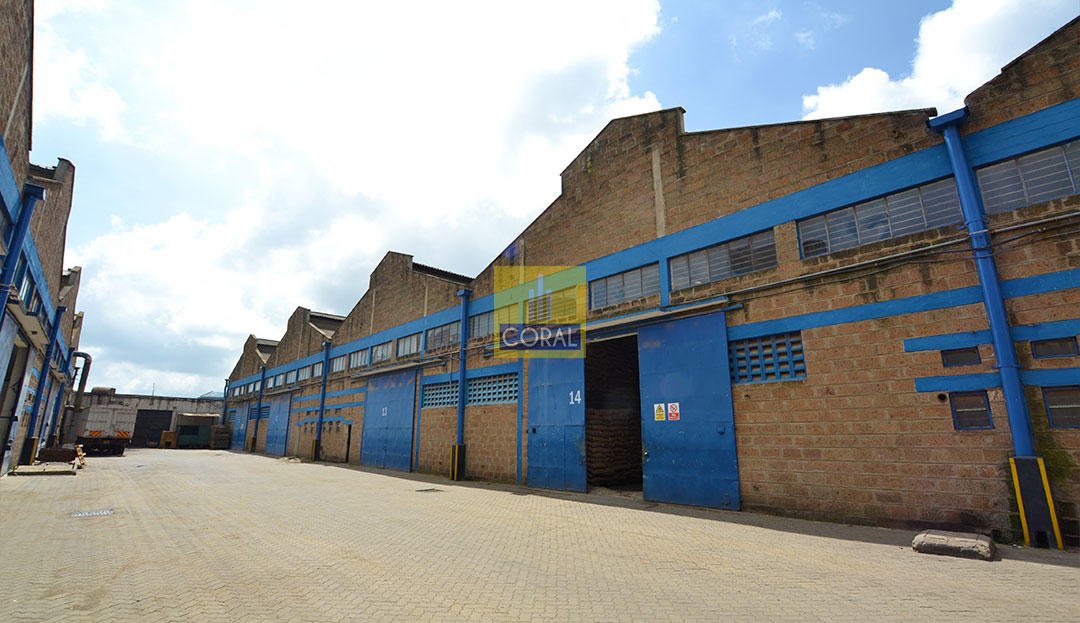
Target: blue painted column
x=322 y=398
x=258 y=408
x=463 y=350
x=46 y=367
x=225 y=403
x=31 y=195
x=993 y=299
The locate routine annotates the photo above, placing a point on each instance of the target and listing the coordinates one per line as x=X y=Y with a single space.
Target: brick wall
x=1046 y=75
x=301 y=339
x=48 y=225
x=15 y=36
x=397 y=293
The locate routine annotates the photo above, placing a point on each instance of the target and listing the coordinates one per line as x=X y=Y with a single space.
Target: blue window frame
x=1053 y=348
x=767 y=359
x=626 y=286
x=911 y=211
x=961 y=357
x=971 y=410
x=1062 y=406
x=736 y=257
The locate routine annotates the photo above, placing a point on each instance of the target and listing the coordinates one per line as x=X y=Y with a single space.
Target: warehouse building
x=40 y=329
x=861 y=319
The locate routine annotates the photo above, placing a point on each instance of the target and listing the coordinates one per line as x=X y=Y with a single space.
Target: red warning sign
x=672 y=411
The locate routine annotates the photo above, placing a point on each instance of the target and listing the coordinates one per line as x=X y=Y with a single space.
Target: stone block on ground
x=959 y=544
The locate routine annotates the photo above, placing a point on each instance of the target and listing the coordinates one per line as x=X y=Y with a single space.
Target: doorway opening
x=613 y=414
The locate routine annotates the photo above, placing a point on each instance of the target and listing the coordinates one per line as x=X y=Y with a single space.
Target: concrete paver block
x=959 y=544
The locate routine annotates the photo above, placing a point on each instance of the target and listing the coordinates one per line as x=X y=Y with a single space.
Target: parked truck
x=104 y=429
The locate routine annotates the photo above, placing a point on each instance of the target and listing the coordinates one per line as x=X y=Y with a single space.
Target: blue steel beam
x=463 y=350
x=31 y=195
x=45 y=368
x=322 y=397
x=258 y=408
x=989 y=281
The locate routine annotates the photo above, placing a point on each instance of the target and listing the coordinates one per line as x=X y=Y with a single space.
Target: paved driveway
x=218 y=536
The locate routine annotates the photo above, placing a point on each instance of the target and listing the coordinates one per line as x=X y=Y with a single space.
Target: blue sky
x=237 y=159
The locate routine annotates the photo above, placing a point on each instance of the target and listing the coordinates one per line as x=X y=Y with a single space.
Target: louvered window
x=917 y=209
x=737 y=257
x=626 y=286
x=768 y=358
x=1037 y=177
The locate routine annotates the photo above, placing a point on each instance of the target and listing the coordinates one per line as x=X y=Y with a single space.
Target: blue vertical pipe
x=46 y=368
x=59 y=399
x=993 y=300
x=463 y=350
x=322 y=398
x=31 y=195
x=225 y=402
x=258 y=408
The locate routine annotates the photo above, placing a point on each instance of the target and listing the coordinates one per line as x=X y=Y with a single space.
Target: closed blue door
x=689 y=460
x=556 y=456
x=388 y=421
x=239 y=430
x=277 y=428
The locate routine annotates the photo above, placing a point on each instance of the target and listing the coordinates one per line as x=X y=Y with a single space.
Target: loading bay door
x=149 y=424
x=388 y=421
x=688 y=448
x=277 y=428
x=556 y=456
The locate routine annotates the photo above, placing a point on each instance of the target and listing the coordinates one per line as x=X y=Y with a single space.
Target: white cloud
x=805 y=38
x=774 y=15
x=437 y=129
x=66 y=84
x=958 y=49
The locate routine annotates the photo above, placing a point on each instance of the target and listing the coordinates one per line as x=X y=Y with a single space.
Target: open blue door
x=388 y=420
x=277 y=428
x=556 y=456
x=688 y=425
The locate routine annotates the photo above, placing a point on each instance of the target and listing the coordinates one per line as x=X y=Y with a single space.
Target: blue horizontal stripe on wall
x=947 y=341
x=473 y=373
x=958 y=382
x=1047 y=330
x=1023 y=286
x=987 y=380
x=333 y=394
x=1051 y=377
x=1021 y=333
x=315 y=420
x=340 y=405
x=869 y=311
x=1039 y=129
x=9 y=187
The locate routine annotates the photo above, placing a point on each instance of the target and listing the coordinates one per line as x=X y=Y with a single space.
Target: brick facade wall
x=15 y=33
x=853 y=441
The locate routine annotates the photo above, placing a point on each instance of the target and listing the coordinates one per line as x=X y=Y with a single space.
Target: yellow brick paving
x=219 y=536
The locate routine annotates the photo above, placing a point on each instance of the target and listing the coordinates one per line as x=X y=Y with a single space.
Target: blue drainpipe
x=31 y=195
x=322 y=398
x=46 y=368
x=463 y=343
x=225 y=403
x=59 y=401
x=258 y=408
x=993 y=300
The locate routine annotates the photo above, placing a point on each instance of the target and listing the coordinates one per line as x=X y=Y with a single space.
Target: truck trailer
x=103 y=429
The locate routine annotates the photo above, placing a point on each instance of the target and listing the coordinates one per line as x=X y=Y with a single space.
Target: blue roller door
x=388 y=421
x=277 y=429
